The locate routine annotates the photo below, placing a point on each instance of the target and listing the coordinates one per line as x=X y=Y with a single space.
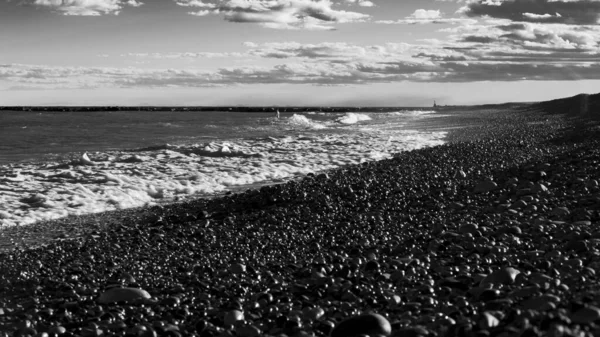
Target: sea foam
x=103 y=181
x=301 y=121
x=275 y=150
x=353 y=118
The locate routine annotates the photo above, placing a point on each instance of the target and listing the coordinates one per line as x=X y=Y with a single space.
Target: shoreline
x=108 y=180
x=462 y=125
x=492 y=233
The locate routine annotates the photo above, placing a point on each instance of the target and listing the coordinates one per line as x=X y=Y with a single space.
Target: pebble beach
x=494 y=233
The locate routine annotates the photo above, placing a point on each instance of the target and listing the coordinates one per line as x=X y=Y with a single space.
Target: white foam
x=419 y=112
x=34 y=192
x=303 y=122
x=353 y=118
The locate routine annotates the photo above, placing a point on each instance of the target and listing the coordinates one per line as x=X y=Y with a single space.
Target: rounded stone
x=248 y=331
x=485 y=186
x=539 y=303
x=123 y=295
x=468 y=228
x=586 y=315
x=367 y=324
x=313 y=313
x=487 y=320
x=501 y=276
x=233 y=316
x=238 y=268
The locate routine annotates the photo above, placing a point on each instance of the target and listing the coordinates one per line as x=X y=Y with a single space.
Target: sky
x=296 y=52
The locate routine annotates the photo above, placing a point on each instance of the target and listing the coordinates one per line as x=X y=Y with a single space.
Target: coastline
x=461 y=124
x=454 y=239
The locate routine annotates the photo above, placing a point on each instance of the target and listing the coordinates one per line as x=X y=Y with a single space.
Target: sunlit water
x=143 y=158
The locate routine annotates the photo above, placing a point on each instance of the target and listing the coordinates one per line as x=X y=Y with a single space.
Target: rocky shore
x=494 y=234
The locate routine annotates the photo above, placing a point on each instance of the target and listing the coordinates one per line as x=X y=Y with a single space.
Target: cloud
x=423 y=16
x=83 y=7
x=505 y=52
x=531 y=36
x=280 y=14
x=573 y=12
x=534 y=16
x=362 y=3
x=186 y=55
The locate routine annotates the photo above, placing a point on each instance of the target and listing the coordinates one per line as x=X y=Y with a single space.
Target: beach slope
x=495 y=233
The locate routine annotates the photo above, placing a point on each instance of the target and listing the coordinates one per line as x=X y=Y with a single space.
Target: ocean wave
x=301 y=121
x=353 y=118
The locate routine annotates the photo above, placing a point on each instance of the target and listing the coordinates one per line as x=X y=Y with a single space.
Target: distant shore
x=248 y=109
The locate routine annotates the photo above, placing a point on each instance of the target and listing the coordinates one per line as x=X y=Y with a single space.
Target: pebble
x=540 y=303
x=586 y=315
x=487 y=320
x=485 y=186
x=502 y=276
x=539 y=188
x=367 y=324
x=231 y=317
x=248 y=331
x=238 y=268
x=123 y=295
x=560 y=212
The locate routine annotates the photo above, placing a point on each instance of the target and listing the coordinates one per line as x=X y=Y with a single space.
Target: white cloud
x=508 y=52
x=280 y=14
x=424 y=16
x=574 y=12
x=83 y=7
x=189 y=55
x=534 y=16
x=545 y=38
x=362 y=3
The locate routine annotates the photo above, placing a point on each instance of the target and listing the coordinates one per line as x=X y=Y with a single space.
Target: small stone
x=519 y=204
x=313 y=313
x=248 y=331
x=456 y=205
x=468 y=228
x=368 y=324
x=525 y=292
x=487 y=320
x=485 y=186
x=502 y=276
x=233 y=316
x=57 y=330
x=539 y=188
x=560 y=212
x=412 y=331
x=539 y=279
x=574 y=263
x=238 y=268
x=514 y=230
x=460 y=174
x=123 y=295
x=539 y=303
x=586 y=315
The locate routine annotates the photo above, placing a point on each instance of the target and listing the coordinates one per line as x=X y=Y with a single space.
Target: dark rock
x=367 y=324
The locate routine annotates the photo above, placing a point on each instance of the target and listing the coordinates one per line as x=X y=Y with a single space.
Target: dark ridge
x=582 y=105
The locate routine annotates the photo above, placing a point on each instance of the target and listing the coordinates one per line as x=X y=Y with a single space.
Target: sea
x=61 y=163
